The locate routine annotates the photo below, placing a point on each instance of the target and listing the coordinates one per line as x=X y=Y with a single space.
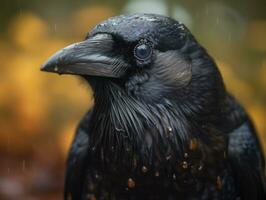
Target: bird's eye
x=142 y=51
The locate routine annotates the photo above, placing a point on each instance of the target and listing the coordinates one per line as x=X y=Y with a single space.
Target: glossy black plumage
x=163 y=126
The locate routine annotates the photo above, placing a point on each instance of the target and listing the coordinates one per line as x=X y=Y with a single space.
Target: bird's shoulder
x=232 y=115
x=244 y=152
x=247 y=161
x=242 y=136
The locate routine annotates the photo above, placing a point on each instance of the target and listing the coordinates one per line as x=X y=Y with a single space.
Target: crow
x=163 y=125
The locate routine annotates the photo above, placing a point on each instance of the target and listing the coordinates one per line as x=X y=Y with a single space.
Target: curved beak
x=93 y=57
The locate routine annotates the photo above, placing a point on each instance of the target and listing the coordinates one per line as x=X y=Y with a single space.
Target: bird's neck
x=122 y=126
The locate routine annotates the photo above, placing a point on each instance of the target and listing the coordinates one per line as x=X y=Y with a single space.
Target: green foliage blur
x=39 y=111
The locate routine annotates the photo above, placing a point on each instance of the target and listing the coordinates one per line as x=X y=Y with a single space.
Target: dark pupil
x=143 y=51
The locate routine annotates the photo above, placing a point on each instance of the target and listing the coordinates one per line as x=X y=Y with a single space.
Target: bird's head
x=146 y=56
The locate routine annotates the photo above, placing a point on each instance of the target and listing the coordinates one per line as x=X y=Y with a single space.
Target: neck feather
x=154 y=132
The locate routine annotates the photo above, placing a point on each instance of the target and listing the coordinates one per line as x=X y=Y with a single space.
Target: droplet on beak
x=56 y=68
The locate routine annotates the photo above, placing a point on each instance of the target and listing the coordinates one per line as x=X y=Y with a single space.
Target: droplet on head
x=144 y=169
x=170 y=129
x=131 y=183
x=181 y=27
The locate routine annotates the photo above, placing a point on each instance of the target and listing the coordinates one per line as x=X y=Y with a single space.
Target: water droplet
x=174 y=176
x=23 y=165
x=200 y=167
x=157 y=174
x=225 y=154
x=91 y=187
x=144 y=169
x=217 y=20
x=219 y=183
x=135 y=162
x=20 y=12
x=181 y=27
x=185 y=164
x=229 y=37
x=96 y=175
x=186 y=155
x=131 y=183
x=170 y=129
x=193 y=145
x=56 y=68
x=207 y=11
x=68 y=197
x=168 y=157
x=90 y=197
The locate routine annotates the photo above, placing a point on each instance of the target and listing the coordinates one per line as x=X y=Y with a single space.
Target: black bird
x=163 y=125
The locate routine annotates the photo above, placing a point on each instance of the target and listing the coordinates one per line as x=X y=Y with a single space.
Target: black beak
x=93 y=57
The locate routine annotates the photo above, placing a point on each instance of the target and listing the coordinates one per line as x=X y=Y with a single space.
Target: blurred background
x=39 y=111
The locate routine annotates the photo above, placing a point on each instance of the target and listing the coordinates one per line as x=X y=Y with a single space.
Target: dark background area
x=39 y=112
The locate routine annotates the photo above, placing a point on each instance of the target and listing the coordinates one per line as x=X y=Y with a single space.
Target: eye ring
x=143 y=50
